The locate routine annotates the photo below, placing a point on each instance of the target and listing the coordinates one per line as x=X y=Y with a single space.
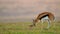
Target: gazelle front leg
x=42 y=21
x=48 y=23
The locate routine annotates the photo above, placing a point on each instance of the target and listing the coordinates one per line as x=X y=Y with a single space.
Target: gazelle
x=45 y=15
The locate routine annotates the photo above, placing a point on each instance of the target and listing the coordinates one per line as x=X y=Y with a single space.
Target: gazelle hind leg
x=54 y=22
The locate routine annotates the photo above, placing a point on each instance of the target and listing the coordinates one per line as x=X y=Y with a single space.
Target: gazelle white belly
x=45 y=18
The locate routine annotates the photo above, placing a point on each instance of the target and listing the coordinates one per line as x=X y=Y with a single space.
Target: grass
x=23 y=28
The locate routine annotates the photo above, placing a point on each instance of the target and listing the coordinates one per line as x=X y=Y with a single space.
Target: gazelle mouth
x=32 y=25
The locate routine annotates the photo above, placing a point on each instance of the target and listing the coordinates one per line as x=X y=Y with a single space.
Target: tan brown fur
x=50 y=16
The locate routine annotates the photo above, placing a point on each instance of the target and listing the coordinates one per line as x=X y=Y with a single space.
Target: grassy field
x=23 y=28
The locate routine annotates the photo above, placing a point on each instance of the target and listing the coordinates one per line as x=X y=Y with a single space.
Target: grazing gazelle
x=45 y=15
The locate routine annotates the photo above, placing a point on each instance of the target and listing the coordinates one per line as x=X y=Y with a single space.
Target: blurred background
x=26 y=10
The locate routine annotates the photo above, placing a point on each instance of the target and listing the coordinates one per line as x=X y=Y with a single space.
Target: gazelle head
x=34 y=23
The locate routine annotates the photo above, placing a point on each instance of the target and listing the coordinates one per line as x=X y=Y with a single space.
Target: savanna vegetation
x=23 y=28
